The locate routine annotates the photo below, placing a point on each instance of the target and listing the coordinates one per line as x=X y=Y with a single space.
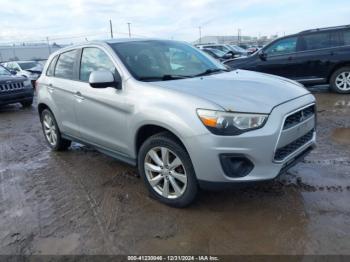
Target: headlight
x=27 y=83
x=228 y=124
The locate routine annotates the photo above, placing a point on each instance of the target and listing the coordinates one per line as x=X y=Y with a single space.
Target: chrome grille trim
x=11 y=86
x=282 y=129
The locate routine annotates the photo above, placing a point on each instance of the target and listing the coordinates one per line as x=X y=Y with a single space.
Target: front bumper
x=16 y=96
x=258 y=146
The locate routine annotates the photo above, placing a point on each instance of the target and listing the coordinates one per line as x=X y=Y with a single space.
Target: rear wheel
x=52 y=132
x=167 y=170
x=340 y=81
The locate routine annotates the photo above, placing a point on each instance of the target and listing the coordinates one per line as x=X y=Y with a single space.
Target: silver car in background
x=174 y=112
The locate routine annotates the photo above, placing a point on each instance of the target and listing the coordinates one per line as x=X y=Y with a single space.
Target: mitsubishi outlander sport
x=176 y=113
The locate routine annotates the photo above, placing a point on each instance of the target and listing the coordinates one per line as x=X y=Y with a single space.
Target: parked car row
x=30 y=69
x=318 y=56
x=223 y=52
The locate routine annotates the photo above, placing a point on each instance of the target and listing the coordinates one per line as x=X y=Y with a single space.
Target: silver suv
x=176 y=113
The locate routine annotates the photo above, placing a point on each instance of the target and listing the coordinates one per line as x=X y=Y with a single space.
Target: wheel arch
x=335 y=68
x=147 y=130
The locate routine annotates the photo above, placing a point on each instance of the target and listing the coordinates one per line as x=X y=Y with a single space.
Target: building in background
x=27 y=52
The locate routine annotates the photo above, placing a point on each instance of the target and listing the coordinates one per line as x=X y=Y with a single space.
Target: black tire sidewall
x=334 y=77
x=167 y=140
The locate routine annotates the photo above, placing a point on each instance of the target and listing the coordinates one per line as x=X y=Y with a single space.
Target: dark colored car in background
x=31 y=69
x=217 y=54
x=15 y=89
x=318 y=56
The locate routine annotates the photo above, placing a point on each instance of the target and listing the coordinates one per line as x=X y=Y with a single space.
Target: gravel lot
x=83 y=202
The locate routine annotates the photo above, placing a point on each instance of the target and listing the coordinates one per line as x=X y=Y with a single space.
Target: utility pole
x=111 y=27
x=129 y=29
x=48 y=44
x=200 y=34
x=239 y=36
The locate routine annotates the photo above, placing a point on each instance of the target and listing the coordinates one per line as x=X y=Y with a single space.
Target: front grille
x=299 y=117
x=285 y=151
x=11 y=86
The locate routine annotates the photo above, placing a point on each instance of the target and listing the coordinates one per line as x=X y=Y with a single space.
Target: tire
x=52 y=133
x=27 y=104
x=340 y=81
x=180 y=176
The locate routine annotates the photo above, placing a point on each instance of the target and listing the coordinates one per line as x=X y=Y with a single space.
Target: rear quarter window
x=65 y=65
x=51 y=69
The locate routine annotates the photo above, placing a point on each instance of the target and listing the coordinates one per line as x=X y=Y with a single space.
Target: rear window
x=321 y=40
x=65 y=65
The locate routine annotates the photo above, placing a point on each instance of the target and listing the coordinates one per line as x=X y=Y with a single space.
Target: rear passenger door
x=100 y=111
x=61 y=86
x=317 y=55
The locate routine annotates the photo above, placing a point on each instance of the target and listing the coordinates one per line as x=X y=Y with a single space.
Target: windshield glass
x=238 y=48
x=157 y=60
x=217 y=52
x=4 y=72
x=27 y=65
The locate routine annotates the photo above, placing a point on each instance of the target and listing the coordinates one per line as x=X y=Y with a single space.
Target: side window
x=283 y=46
x=51 y=69
x=65 y=65
x=317 y=41
x=347 y=37
x=94 y=59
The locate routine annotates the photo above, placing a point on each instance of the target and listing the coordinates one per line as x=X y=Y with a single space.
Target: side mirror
x=262 y=55
x=13 y=72
x=227 y=56
x=104 y=79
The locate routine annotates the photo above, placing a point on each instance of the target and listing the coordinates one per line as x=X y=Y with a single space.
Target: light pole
x=129 y=24
x=200 y=34
x=111 y=27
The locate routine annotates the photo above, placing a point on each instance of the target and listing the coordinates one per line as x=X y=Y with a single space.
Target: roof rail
x=325 y=29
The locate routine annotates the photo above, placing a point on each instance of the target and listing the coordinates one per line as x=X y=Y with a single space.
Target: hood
x=240 y=90
x=11 y=79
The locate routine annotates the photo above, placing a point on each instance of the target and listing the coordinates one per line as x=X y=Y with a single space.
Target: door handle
x=79 y=96
x=290 y=58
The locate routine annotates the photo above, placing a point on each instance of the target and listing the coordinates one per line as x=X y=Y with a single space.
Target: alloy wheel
x=50 y=130
x=343 y=81
x=165 y=172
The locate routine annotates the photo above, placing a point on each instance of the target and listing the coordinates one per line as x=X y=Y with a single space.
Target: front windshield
x=238 y=48
x=27 y=65
x=4 y=72
x=217 y=52
x=155 y=59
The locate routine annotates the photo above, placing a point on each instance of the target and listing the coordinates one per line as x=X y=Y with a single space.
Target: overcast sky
x=28 y=20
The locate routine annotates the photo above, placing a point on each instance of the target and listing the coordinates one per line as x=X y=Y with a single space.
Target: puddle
x=341 y=135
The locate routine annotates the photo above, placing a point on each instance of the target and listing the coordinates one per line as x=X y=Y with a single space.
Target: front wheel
x=52 y=132
x=340 y=81
x=167 y=170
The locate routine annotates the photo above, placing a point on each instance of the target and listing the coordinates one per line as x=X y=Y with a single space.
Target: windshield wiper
x=163 y=77
x=211 y=71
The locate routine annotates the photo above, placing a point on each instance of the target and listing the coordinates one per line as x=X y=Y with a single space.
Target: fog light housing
x=236 y=165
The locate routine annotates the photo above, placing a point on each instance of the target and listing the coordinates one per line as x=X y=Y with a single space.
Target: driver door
x=280 y=58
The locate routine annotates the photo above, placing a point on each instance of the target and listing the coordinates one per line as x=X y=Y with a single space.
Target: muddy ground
x=83 y=202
